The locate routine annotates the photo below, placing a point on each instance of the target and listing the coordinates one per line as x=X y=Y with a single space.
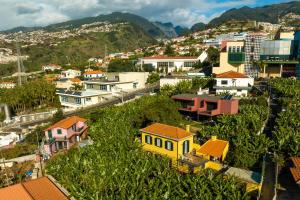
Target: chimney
x=213 y=138
x=188 y=128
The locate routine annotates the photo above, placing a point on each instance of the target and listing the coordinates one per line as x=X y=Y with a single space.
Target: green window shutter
x=49 y=134
x=59 y=131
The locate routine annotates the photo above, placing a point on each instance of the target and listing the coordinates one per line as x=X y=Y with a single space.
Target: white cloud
x=42 y=12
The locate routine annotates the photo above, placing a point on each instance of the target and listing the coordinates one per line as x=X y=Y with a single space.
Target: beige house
x=232 y=57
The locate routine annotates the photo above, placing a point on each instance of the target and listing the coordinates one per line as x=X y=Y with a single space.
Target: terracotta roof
x=231 y=74
x=296 y=161
x=213 y=147
x=14 y=192
x=296 y=174
x=93 y=72
x=167 y=131
x=168 y=57
x=67 y=123
x=76 y=80
x=38 y=189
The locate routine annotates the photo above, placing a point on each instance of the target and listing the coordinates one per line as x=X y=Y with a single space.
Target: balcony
x=236 y=57
x=77 y=132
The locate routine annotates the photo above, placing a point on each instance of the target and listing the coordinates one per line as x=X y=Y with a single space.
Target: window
x=239 y=90
x=158 y=142
x=189 y=64
x=169 y=145
x=201 y=103
x=89 y=86
x=224 y=82
x=74 y=127
x=49 y=134
x=77 y=100
x=88 y=99
x=103 y=87
x=186 y=147
x=135 y=85
x=252 y=40
x=148 y=139
x=252 y=49
x=64 y=99
x=59 y=132
x=251 y=58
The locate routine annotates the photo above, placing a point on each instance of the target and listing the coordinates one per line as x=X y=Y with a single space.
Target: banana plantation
x=247 y=145
x=115 y=167
x=287 y=130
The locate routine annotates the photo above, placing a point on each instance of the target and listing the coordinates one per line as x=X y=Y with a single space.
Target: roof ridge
x=23 y=186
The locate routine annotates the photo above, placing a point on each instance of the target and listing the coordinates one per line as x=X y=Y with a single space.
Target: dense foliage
x=18 y=150
x=153 y=78
x=115 y=167
x=29 y=96
x=247 y=146
x=287 y=130
x=121 y=65
x=186 y=86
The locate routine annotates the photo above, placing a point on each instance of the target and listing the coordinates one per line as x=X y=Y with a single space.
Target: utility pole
x=7 y=182
x=19 y=61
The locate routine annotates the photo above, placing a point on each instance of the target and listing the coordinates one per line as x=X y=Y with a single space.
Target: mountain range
x=154 y=29
x=270 y=13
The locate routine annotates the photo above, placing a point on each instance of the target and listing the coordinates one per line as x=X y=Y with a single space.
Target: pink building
x=207 y=105
x=64 y=134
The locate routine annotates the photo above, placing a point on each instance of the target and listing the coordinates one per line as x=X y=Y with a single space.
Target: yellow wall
x=213 y=165
x=225 y=152
x=225 y=66
x=177 y=146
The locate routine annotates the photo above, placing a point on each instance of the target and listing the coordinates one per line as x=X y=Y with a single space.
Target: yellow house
x=167 y=140
x=214 y=149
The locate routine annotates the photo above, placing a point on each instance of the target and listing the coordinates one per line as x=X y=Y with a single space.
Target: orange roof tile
x=231 y=74
x=43 y=189
x=76 y=80
x=296 y=161
x=38 y=189
x=296 y=174
x=213 y=148
x=14 y=192
x=67 y=123
x=168 y=57
x=93 y=72
x=167 y=131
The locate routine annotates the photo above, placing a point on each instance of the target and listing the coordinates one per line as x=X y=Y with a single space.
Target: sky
x=15 y=13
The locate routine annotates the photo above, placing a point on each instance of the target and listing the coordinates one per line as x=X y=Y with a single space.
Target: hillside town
x=209 y=114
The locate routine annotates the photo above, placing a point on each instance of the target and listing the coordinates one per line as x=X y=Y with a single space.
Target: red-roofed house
x=64 y=134
x=233 y=83
x=93 y=74
x=170 y=64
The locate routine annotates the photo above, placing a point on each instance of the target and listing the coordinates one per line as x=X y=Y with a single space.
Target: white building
x=79 y=99
x=9 y=139
x=51 y=67
x=95 y=91
x=7 y=85
x=170 y=64
x=93 y=74
x=234 y=83
x=70 y=73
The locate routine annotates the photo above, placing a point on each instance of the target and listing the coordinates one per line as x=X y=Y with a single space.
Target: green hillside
x=78 y=50
x=269 y=13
